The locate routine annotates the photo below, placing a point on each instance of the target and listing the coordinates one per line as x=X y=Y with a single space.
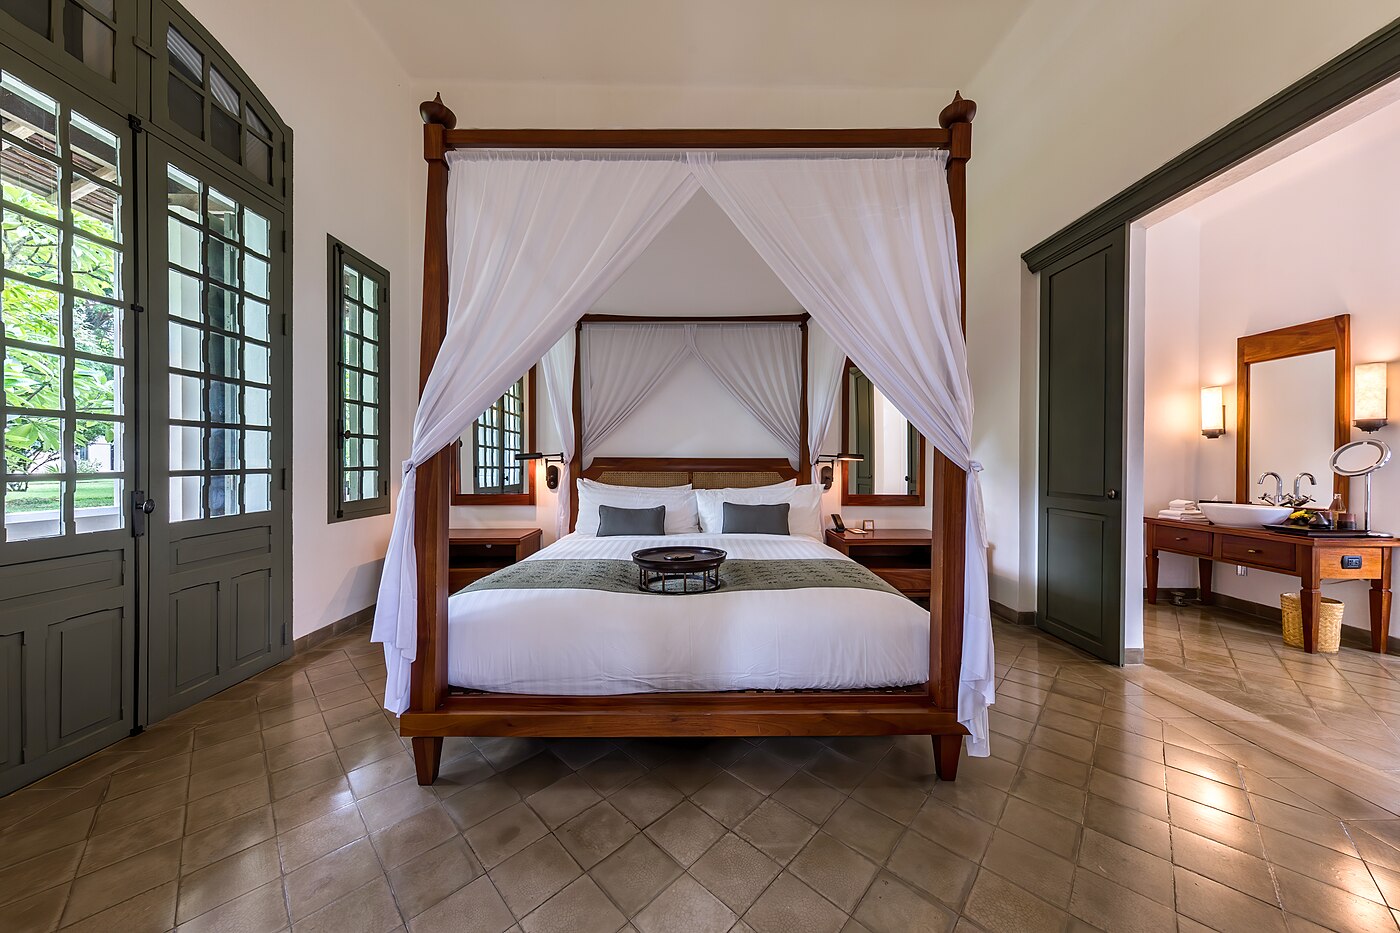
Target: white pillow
x=681 y=517
x=804 y=506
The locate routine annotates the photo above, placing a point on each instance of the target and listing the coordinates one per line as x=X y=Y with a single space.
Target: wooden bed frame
x=435 y=711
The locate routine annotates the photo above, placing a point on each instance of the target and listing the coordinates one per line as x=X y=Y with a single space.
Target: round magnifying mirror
x=1360 y=457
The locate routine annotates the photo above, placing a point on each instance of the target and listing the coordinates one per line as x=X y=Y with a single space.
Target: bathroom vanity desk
x=1312 y=560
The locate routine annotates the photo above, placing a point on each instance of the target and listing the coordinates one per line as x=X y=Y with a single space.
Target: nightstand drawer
x=911 y=581
x=1259 y=552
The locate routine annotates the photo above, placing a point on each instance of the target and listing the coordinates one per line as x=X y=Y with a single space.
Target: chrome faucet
x=1300 y=500
x=1277 y=497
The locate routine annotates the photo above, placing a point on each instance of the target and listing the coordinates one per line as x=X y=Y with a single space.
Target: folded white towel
x=1183 y=504
x=1184 y=515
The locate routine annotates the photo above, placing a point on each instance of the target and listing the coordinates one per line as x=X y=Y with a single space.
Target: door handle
x=140 y=508
x=1113 y=494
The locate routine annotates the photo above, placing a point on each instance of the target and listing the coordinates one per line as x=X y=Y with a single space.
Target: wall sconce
x=1213 y=411
x=1368 y=387
x=551 y=473
x=827 y=475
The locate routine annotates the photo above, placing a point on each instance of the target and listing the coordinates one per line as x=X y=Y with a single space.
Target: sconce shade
x=1369 y=389
x=1213 y=411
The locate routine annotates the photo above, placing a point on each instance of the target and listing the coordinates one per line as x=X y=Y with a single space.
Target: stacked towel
x=1184 y=505
x=1184 y=515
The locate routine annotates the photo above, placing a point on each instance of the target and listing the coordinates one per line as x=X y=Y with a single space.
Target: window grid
x=498 y=434
x=202 y=100
x=359 y=301
x=219 y=351
x=60 y=314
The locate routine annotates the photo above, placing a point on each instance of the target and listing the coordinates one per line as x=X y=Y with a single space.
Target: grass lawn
x=39 y=497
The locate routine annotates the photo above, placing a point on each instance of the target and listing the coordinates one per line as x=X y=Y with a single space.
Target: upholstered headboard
x=702 y=473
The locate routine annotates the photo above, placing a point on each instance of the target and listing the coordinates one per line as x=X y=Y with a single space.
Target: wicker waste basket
x=1329 y=623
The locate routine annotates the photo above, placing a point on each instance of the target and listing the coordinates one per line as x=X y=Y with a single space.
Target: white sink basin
x=1240 y=515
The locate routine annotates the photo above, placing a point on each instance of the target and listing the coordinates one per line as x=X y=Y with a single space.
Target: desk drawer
x=1259 y=552
x=1329 y=563
x=1182 y=540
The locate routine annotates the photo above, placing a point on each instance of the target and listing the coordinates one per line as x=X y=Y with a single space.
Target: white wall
x=357 y=174
x=1080 y=100
x=1308 y=237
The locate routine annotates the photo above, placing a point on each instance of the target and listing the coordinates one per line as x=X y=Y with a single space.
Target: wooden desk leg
x=1206 y=568
x=1380 y=605
x=1311 y=603
x=1153 y=564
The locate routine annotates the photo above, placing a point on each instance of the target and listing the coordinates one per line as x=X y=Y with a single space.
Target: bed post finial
x=960 y=110
x=435 y=111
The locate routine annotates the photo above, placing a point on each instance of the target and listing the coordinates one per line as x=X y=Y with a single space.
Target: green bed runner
x=620 y=576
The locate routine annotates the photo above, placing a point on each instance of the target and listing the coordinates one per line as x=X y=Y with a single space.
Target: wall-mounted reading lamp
x=1368 y=386
x=1213 y=411
x=826 y=460
x=551 y=473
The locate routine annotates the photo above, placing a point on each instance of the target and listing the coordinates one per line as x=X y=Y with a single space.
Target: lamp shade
x=1213 y=411
x=1369 y=390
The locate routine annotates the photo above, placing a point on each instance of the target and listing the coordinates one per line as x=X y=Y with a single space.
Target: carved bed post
x=429 y=681
x=950 y=518
x=576 y=464
x=804 y=448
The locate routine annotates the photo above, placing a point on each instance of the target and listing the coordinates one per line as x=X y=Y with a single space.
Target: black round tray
x=678 y=570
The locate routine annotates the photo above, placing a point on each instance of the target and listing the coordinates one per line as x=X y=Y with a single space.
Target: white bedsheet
x=565 y=641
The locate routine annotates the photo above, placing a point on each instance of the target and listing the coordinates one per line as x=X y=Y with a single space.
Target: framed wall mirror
x=892 y=472
x=487 y=471
x=1294 y=396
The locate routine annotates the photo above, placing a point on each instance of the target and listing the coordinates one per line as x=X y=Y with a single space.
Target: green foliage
x=33 y=379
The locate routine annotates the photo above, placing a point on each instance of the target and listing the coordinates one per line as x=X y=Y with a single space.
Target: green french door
x=144 y=549
x=216 y=536
x=69 y=564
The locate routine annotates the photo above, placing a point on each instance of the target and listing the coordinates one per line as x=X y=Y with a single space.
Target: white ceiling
x=785 y=43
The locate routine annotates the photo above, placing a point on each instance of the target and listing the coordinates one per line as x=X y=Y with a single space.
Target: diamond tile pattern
x=1230 y=784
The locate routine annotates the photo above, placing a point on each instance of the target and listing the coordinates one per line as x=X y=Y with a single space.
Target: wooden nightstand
x=472 y=553
x=902 y=557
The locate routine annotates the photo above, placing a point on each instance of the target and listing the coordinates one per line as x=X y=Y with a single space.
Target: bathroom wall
x=1313 y=235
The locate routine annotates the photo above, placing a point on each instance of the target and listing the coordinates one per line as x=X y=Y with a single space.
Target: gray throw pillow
x=613 y=521
x=756 y=519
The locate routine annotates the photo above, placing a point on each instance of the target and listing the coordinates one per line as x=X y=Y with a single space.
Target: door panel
x=67 y=338
x=217 y=451
x=1083 y=303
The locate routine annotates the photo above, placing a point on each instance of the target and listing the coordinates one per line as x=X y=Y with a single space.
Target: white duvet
x=567 y=641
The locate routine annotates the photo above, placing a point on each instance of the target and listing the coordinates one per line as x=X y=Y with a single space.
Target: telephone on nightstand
x=840 y=527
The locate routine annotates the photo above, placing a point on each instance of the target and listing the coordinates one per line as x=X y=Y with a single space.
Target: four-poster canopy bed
x=434 y=709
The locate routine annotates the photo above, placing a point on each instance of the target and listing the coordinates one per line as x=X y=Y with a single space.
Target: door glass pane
x=185 y=452
x=257 y=492
x=213 y=445
x=32 y=313
x=97 y=504
x=186 y=106
x=88 y=39
x=33 y=508
x=31 y=247
x=97 y=386
x=30 y=180
x=32 y=13
x=185 y=59
x=96 y=268
x=96 y=209
x=94 y=149
x=97 y=327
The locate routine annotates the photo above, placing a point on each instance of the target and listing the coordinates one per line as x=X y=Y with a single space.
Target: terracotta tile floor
x=1230 y=784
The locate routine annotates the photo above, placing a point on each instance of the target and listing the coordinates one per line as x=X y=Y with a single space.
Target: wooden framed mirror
x=1294 y=394
x=892 y=472
x=487 y=472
